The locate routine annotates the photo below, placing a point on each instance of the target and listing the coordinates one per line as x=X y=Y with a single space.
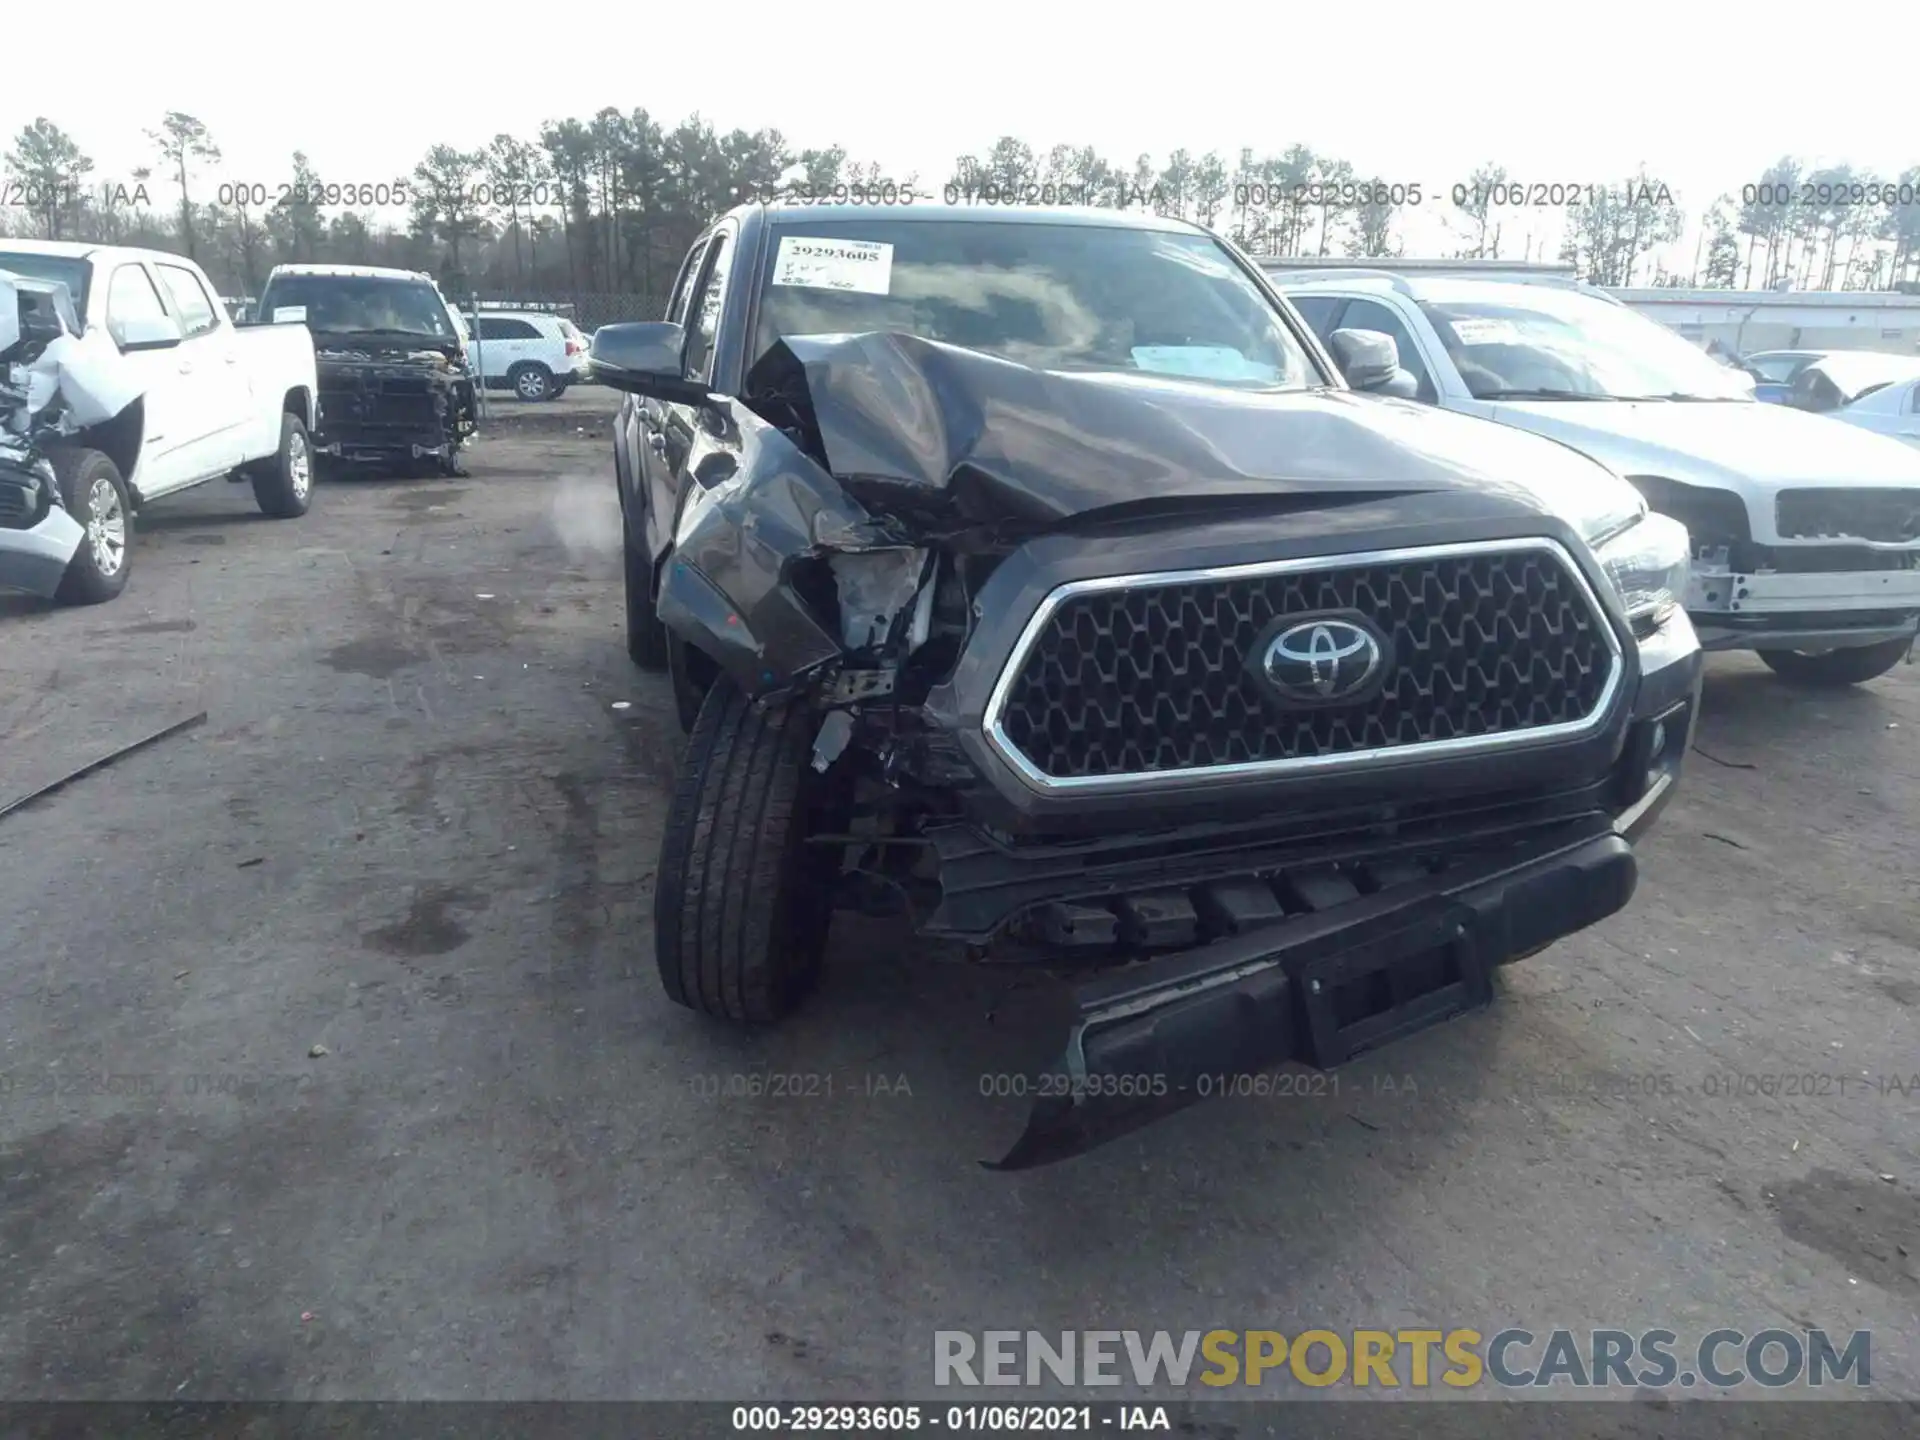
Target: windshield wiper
x=1683 y=397
x=1541 y=395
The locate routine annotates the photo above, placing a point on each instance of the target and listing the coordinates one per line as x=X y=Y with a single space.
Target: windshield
x=66 y=269
x=1560 y=344
x=1056 y=297
x=360 y=304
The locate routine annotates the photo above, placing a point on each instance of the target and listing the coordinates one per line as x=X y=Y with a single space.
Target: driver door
x=655 y=479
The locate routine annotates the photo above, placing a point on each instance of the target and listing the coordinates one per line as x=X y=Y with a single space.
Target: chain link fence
x=588 y=309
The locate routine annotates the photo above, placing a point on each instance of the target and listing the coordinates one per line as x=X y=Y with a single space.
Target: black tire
x=646 y=636
x=98 y=571
x=1831 y=669
x=689 y=688
x=531 y=381
x=742 y=904
x=559 y=389
x=283 y=486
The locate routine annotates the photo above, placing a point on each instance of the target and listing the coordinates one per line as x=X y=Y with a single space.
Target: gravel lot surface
x=334 y=1064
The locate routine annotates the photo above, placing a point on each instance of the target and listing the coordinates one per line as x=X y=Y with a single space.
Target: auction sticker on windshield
x=289 y=314
x=864 y=266
x=1486 y=332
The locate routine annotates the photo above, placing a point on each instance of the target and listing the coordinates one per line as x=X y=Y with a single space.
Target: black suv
x=1035 y=575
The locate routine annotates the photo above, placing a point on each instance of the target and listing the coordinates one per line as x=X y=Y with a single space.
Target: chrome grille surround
x=1004 y=744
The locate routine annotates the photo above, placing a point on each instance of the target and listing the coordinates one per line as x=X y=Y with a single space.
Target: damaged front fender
x=56 y=387
x=755 y=510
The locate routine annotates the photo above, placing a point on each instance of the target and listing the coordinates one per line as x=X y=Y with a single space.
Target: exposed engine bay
x=395 y=404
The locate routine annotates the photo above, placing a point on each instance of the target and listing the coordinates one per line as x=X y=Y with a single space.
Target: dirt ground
x=333 y=1063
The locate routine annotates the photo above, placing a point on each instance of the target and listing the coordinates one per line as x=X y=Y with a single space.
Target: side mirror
x=1371 y=361
x=643 y=358
x=149 y=332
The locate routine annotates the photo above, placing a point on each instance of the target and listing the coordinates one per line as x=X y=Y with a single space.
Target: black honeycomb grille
x=1127 y=682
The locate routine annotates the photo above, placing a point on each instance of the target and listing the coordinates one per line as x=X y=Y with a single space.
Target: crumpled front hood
x=88 y=374
x=73 y=382
x=1044 y=446
x=1751 y=449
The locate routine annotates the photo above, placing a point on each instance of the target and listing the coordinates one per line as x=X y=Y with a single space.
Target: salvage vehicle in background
x=1806 y=535
x=1033 y=573
x=396 y=383
x=534 y=355
x=214 y=401
x=1831 y=383
x=1892 y=410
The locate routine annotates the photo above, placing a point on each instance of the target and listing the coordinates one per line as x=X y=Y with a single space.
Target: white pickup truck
x=215 y=402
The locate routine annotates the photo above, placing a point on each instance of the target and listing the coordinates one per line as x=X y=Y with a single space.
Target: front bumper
x=1816 y=609
x=1350 y=967
x=36 y=560
x=378 y=449
x=1316 y=991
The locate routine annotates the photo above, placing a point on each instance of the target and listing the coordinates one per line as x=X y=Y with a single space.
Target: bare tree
x=182 y=142
x=1478 y=207
x=511 y=168
x=443 y=202
x=48 y=166
x=296 y=221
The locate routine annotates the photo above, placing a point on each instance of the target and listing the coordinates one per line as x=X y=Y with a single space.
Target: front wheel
x=283 y=484
x=93 y=493
x=742 y=904
x=1835 y=668
x=691 y=674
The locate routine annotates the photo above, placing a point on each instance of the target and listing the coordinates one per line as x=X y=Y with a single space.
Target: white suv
x=537 y=356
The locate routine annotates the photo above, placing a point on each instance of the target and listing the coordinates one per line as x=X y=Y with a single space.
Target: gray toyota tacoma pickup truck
x=1034 y=575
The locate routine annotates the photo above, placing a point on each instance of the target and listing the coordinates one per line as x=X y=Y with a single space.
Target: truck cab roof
x=786 y=212
x=88 y=250
x=362 y=272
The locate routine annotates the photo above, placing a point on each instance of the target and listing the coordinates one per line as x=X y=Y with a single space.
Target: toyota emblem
x=1325 y=660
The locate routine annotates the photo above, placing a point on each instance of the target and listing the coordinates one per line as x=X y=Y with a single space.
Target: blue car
x=1774 y=371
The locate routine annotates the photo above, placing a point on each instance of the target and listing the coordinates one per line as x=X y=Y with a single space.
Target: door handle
x=233 y=359
x=186 y=367
x=657 y=443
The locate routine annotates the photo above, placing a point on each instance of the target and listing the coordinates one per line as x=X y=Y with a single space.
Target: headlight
x=1648 y=563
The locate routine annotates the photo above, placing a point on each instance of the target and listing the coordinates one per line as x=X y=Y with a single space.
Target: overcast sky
x=1706 y=96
